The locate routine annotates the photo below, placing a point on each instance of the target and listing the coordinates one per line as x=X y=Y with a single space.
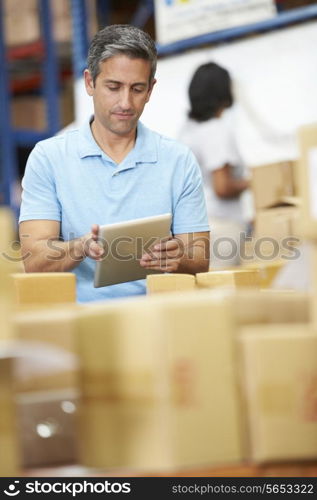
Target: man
x=110 y=170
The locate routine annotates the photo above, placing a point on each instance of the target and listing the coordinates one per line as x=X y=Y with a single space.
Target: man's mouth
x=123 y=116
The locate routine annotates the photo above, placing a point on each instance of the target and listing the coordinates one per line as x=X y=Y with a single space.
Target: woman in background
x=209 y=134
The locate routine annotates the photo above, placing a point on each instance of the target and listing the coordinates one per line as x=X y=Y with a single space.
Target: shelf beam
x=282 y=19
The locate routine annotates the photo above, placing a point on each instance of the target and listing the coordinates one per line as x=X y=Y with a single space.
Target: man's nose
x=125 y=99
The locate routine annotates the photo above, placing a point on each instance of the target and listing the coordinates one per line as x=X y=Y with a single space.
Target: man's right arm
x=43 y=251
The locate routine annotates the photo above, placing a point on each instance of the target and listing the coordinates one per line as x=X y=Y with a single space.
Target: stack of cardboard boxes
x=278 y=363
x=46 y=390
x=169 y=381
x=276 y=232
x=9 y=456
x=307 y=180
x=275 y=195
x=165 y=381
x=38 y=364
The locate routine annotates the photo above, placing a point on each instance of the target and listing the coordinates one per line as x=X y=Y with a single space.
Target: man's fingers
x=158 y=262
x=164 y=254
x=169 y=267
x=93 y=249
x=95 y=231
x=168 y=249
x=170 y=244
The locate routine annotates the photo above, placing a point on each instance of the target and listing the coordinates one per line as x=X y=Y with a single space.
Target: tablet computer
x=124 y=244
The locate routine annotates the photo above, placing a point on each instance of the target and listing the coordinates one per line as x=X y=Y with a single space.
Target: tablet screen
x=124 y=244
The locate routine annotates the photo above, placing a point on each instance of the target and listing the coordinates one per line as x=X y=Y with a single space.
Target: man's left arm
x=183 y=253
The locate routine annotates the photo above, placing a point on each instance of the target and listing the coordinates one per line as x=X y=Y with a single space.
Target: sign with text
x=180 y=19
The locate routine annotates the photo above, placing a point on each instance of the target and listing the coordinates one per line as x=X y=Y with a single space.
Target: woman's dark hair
x=209 y=91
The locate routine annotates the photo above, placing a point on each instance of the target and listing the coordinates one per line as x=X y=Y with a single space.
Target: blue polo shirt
x=68 y=178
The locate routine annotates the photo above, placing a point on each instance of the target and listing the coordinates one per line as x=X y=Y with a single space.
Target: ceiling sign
x=180 y=19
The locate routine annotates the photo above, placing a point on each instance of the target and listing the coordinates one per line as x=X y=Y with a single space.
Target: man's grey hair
x=121 y=39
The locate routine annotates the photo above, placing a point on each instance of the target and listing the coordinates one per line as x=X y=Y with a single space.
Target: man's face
x=120 y=92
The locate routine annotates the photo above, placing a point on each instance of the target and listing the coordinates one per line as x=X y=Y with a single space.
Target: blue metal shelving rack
x=7 y=151
x=10 y=138
x=50 y=86
x=80 y=36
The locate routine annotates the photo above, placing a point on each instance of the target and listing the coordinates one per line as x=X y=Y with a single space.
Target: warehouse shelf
x=45 y=80
x=7 y=150
x=45 y=48
x=34 y=49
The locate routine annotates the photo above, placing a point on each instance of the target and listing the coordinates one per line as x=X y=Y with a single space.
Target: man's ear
x=89 y=83
x=153 y=82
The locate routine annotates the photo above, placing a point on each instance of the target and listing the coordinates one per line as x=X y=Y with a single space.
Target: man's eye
x=113 y=88
x=138 y=90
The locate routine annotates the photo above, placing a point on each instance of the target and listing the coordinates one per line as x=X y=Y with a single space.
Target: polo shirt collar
x=87 y=145
x=144 y=151
x=145 y=148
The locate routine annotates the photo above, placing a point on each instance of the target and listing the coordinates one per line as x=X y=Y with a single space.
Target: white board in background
x=180 y=19
x=276 y=78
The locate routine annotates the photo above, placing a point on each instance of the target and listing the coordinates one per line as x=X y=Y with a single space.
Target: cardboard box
x=313 y=269
x=46 y=384
x=278 y=223
x=307 y=168
x=24 y=106
x=158 y=383
x=266 y=251
x=8 y=235
x=44 y=288
x=63 y=20
x=234 y=278
x=271 y=183
x=268 y=270
x=9 y=456
x=7 y=265
x=47 y=428
x=156 y=283
x=279 y=374
x=22 y=21
x=10 y=248
x=270 y=306
x=6 y=324
x=47 y=344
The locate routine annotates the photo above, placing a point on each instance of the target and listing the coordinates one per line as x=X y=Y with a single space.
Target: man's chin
x=123 y=128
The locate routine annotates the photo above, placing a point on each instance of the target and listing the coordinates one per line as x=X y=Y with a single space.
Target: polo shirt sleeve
x=39 y=199
x=190 y=214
